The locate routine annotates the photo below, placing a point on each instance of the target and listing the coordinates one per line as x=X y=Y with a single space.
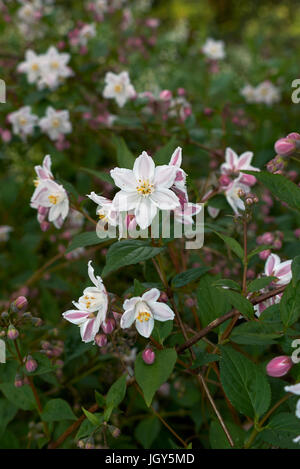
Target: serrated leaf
x=146 y=431
x=116 y=393
x=244 y=384
x=56 y=410
x=190 y=275
x=162 y=330
x=233 y=244
x=240 y=303
x=151 y=377
x=254 y=333
x=290 y=304
x=82 y=240
x=259 y=283
x=22 y=398
x=128 y=252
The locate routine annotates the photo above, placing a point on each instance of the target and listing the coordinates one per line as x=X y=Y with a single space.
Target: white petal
x=127 y=318
x=165 y=199
x=176 y=158
x=151 y=295
x=145 y=212
x=164 y=176
x=76 y=317
x=145 y=328
x=125 y=201
x=161 y=311
x=124 y=179
x=97 y=281
x=144 y=167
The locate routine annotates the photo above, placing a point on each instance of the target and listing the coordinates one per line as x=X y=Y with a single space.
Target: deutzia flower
x=4 y=232
x=23 y=121
x=105 y=209
x=267 y=93
x=54 y=68
x=55 y=123
x=100 y=7
x=214 y=49
x=234 y=164
x=87 y=32
x=91 y=307
x=145 y=189
x=249 y=93
x=118 y=87
x=143 y=310
x=281 y=270
x=295 y=389
x=232 y=194
x=31 y=66
x=52 y=197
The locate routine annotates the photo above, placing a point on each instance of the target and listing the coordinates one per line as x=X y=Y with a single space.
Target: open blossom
x=179 y=107
x=265 y=92
x=49 y=198
x=145 y=189
x=295 y=389
x=87 y=32
x=144 y=310
x=4 y=232
x=48 y=70
x=234 y=164
x=214 y=49
x=248 y=92
x=232 y=194
x=23 y=121
x=281 y=270
x=55 y=123
x=91 y=307
x=118 y=87
x=105 y=210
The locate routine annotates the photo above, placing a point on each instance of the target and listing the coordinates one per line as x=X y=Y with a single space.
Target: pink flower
x=235 y=164
x=281 y=270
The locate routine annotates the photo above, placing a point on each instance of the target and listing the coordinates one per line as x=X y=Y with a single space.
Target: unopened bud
x=165 y=95
x=20 y=303
x=285 y=146
x=148 y=356
x=115 y=432
x=109 y=326
x=18 y=381
x=12 y=333
x=101 y=340
x=31 y=364
x=279 y=366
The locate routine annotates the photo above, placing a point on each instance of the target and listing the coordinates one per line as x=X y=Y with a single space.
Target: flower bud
x=285 y=146
x=20 y=303
x=279 y=366
x=114 y=431
x=224 y=180
x=101 y=340
x=293 y=136
x=148 y=356
x=12 y=333
x=109 y=326
x=165 y=95
x=31 y=364
x=264 y=254
x=18 y=381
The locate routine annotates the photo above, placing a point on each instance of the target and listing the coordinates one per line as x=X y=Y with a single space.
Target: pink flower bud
x=224 y=180
x=279 y=366
x=6 y=136
x=45 y=226
x=21 y=303
x=277 y=244
x=165 y=95
x=12 y=333
x=148 y=356
x=293 y=136
x=181 y=92
x=31 y=364
x=109 y=326
x=101 y=340
x=264 y=254
x=297 y=233
x=285 y=147
x=18 y=381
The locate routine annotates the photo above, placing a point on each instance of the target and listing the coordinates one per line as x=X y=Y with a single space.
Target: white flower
x=31 y=66
x=143 y=310
x=233 y=197
x=234 y=164
x=55 y=123
x=4 y=232
x=100 y=6
x=214 y=49
x=105 y=209
x=23 y=121
x=118 y=87
x=87 y=32
x=2 y=351
x=281 y=270
x=267 y=93
x=249 y=93
x=52 y=197
x=295 y=389
x=54 y=68
x=145 y=189
x=91 y=307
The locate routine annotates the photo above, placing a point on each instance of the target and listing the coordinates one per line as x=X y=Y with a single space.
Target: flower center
x=22 y=121
x=88 y=301
x=144 y=187
x=54 y=64
x=55 y=123
x=143 y=316
x=34 y=67
x=36 y=182
x=53 y=199
x=118 y=88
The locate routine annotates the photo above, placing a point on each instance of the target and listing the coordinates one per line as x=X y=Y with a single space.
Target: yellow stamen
x=53 y=199
x=143 y=316
x=118 y=88
x=144 y=187
x=55 y=123
x=36 y=182
x=54 y=64
x=34 y=67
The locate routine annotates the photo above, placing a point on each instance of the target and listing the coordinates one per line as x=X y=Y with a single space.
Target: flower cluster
x=265 y=93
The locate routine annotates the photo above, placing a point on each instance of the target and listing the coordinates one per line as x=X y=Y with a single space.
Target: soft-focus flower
x=91 y=307
x=51 y=199
x=4 y=232
x=234 y=164
x=143 y=310
x=55 y=123
x=267 y=93
x=295 y=389
x=87 y=32
x=32 y=66
x=145 y=189
x=248 y=92
x=281 y=270
x=23 y=121
x=279 y=366
x=214 y=49
x=118 y=87
x=233 y=195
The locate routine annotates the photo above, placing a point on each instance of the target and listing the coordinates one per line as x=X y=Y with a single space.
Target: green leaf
x=224 y=282
x=162 y=330
x=254 y=333
x=56 y=410
x=101 y=401
x=105 y=177
x=290 y=304
x=259 y=283
x=81 y=240
x=218 y=439
x=204 y=359
x=128 y=252
x=296 y=269
x=233 y=244
x=7 y=413
x=211 y=300
x=95 y=419
x=281 y=430
x=244 y=384
x=115 y=395
x=146 y=431
x=280 y=186
x=190 y=275
x=22 y=398
x=138 y=288
x=125 y=158
x=240 y=303
x=151 y=377
x=163 y=155
x=85 y=429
